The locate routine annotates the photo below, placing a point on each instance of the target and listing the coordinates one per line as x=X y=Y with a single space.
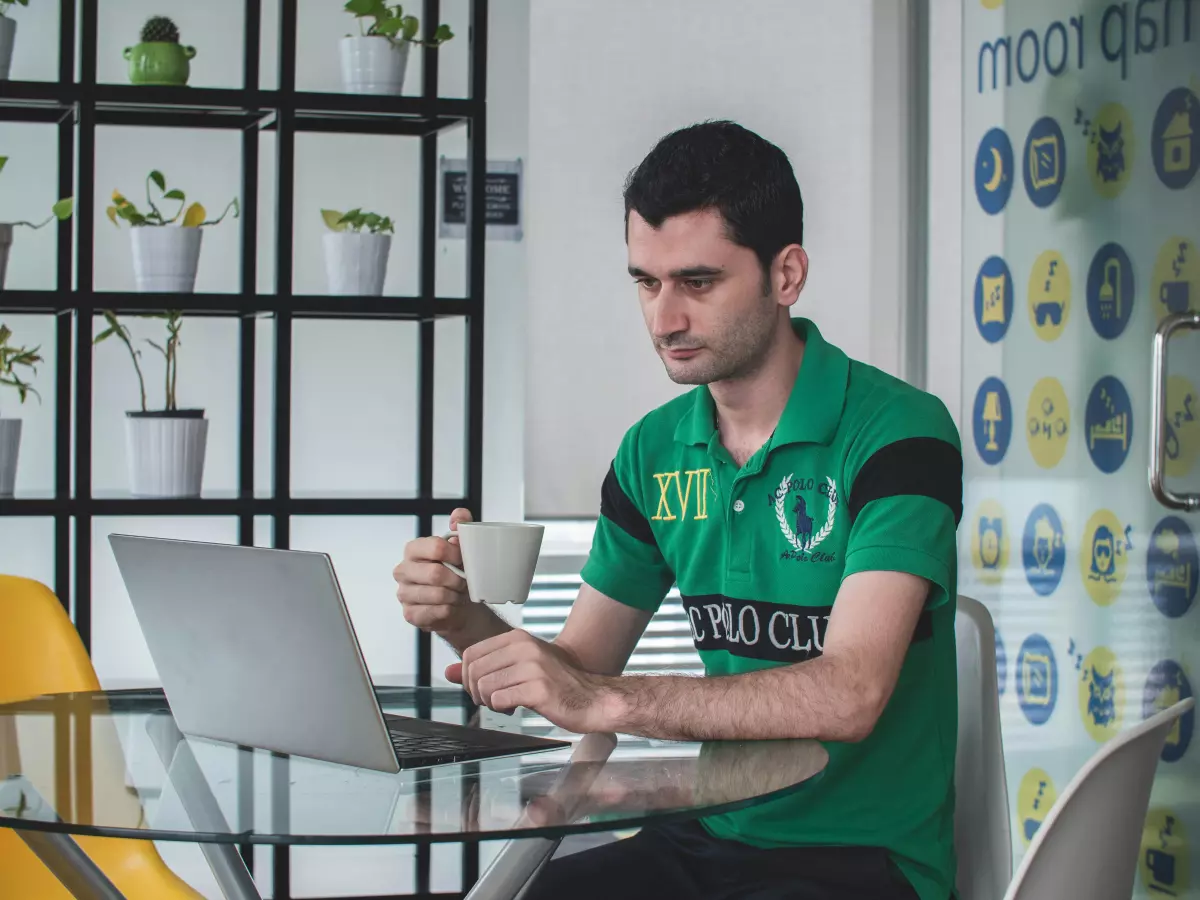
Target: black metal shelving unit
x=78 y=107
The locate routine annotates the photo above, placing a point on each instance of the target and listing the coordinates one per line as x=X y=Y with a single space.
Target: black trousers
x=684 y=862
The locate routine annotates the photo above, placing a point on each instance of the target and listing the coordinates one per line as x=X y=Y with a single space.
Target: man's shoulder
x=882 y=408
x=658 y=429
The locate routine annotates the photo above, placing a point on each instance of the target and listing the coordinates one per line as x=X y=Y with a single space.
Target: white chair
x=982 y=833
x=1089 y=844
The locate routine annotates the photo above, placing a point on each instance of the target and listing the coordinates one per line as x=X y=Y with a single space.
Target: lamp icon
x=991 y=417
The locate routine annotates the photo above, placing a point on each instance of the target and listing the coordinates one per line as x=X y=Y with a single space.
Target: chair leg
x=70 y=865
x=514 y=869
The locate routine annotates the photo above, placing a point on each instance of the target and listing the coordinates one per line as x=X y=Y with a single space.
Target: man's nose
x=670 y=315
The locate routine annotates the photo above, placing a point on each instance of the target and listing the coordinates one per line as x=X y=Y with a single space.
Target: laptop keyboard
x=433 y=744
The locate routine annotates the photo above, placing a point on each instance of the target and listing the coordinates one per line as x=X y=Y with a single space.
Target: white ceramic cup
x=499 y=559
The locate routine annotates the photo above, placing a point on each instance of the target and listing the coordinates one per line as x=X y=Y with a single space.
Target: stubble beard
x=741 y=351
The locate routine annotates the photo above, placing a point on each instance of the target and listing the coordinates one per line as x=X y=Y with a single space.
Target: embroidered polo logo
x=690 y=491
x=795 y=514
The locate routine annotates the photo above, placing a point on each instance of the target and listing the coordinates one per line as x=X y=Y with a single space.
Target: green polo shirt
x=863 y=472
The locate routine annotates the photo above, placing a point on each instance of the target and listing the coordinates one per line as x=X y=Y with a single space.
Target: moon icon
x=997 y=171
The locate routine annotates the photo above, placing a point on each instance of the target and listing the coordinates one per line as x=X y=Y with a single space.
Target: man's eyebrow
x=686 y=272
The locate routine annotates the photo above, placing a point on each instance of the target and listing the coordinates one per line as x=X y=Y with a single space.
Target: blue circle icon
x=1001 y=665
x=994 y=171
x=1172 y=567
x=1175 y=140
x=1045 y=162
x=993 y=299
x=992 y=420
x=1108 y=424
x=1037 y=679
x=1166 y=685
x=1110 y=291
x=1044 y=549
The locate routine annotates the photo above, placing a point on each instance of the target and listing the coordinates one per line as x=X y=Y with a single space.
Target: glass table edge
x=510 y=834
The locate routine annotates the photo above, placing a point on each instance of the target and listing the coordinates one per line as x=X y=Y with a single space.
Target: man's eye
x=648 y=283
x=699 y=284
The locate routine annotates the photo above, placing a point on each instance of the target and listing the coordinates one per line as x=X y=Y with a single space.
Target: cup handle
x=189 y=52
x=128 y=52
x=455 y=569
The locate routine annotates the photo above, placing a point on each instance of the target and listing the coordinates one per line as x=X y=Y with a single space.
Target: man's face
x=709 y=310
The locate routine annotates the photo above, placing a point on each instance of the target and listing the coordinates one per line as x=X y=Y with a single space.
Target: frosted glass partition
x=1081 y=217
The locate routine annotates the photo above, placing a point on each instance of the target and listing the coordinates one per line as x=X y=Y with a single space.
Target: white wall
x=944 y=313
x=607 y=79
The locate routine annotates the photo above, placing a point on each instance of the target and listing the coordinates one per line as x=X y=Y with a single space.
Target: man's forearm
x=481 y=623
x=822 y=698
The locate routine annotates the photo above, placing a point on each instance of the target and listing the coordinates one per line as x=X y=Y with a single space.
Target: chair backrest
x=40 y=650
x=982 y=834
x=1088 y=845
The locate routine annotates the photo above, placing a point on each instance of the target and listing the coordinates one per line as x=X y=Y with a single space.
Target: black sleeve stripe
x=926 y=467
x=619 y=508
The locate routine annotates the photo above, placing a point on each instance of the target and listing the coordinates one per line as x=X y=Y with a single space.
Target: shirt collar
x=814 y=407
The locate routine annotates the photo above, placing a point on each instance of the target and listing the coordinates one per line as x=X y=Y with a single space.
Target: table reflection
x=116 y=764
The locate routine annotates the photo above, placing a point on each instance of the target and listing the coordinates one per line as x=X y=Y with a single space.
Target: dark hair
x=723 y=166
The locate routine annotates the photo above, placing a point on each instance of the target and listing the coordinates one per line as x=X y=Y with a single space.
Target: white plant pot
x=356 y=263
x=10 y=445
x=373 y=65
x=8 y=35
x=6 y=236
x=165 y=258
x=165 y=454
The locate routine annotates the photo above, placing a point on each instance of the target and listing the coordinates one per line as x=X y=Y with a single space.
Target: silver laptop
x=255 y=646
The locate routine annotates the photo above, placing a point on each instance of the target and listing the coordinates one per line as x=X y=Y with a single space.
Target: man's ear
x=790 y=273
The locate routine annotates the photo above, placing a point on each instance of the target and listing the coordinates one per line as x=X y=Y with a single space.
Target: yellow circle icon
x=1047 y=422
x=1176 y=284
x=1110 y=149
x=1103 y=557
x=992 y=4
x=1049 y=295
x=1182 y=426
x=989 y=542
x=1035 y=797
x=1163 y=862
x=1101 y=694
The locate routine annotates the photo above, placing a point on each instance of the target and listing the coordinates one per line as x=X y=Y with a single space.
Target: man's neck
x=749 y=408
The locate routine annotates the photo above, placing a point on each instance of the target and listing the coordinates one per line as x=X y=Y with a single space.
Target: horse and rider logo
x=795 y=513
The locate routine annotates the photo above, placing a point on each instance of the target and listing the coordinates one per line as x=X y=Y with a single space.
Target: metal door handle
x=1158 y=403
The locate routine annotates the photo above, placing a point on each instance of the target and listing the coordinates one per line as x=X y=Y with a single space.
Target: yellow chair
x=40 y=653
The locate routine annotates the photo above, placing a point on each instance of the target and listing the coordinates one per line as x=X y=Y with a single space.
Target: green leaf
x=3 y=161
x=333 y=219
x=63 y=208
x=174 y=194
x=442 y=34
x=157 y=177
x=104 y=335
x=411 y=26
x=388 y=27
x=362 y=8
x=371 y=221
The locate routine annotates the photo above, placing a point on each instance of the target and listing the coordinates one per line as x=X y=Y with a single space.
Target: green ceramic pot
x=159 y=62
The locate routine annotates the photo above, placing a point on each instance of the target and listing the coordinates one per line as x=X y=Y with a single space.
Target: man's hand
x=516 y=669
x=434 y=598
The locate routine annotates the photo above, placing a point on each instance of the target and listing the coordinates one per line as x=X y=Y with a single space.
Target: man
x=806 y=506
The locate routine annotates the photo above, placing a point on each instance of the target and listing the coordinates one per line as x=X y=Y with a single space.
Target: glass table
x=113 y=764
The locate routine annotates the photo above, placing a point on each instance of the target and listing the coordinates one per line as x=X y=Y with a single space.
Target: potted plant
x=356 y=251
x=164 y=447
x=8 y=35
x=159 y=58
x=165 y=259
x=60 y=210
x=375 y=60
x=12 y=360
